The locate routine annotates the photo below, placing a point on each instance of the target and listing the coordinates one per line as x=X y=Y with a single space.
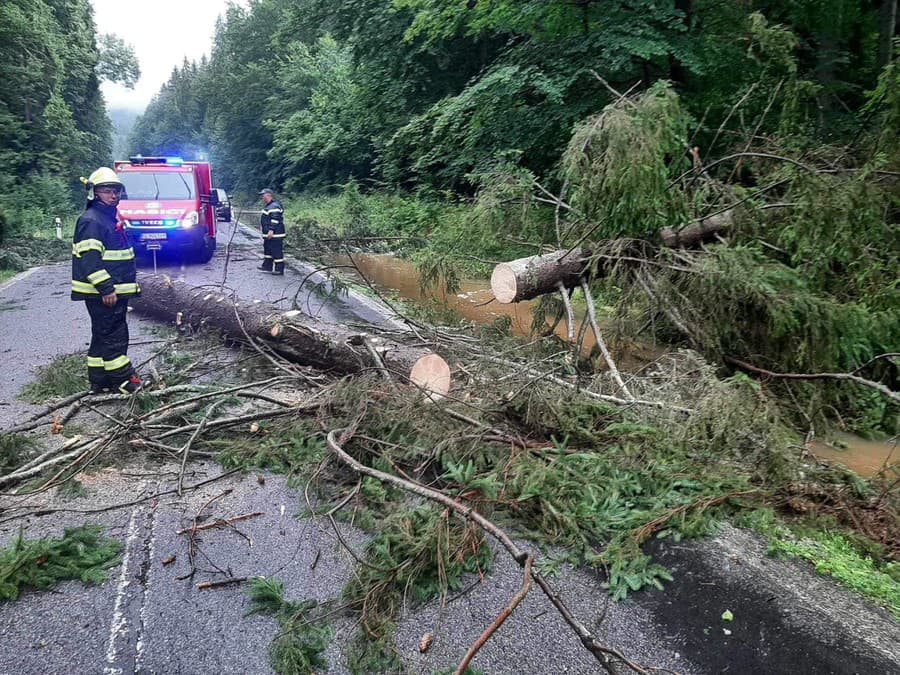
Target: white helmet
x=102 y=176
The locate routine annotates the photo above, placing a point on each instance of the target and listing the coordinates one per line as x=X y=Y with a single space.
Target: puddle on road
x=864 y=457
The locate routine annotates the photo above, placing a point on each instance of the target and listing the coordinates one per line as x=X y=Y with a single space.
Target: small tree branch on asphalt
x=216 y=392
x=22 y=474
x=187 y=446
x=240 y=419
x=603 y=654
x=192 y=532
x=503 y=616
x=222 y=582
x=115 y=507
x=220 y=522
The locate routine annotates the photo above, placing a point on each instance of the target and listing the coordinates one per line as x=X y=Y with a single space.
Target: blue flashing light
x=170 y=222
x=174 y=161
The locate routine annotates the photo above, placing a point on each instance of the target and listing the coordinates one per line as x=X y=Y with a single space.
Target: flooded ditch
x=475 y=302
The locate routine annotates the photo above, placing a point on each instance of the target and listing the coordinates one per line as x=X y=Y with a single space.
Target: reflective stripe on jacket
x=102 y=255
x=272 y=218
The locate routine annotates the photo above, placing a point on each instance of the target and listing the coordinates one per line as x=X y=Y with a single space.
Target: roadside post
x=154 y=246
x=58 y=222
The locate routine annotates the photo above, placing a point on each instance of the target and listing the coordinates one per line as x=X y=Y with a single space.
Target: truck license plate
x=153 y=235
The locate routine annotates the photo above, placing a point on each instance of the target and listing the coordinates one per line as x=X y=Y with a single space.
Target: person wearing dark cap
x=271 y=222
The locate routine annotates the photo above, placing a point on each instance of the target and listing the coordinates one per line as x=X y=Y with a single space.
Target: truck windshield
x=158 y=184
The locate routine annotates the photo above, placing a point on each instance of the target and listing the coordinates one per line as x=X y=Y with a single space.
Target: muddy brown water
x=866 y=458
x=475 y=301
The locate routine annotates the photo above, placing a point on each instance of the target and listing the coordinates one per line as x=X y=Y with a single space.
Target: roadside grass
x=81 y=553
x=853 y=560
x=833 y=554
x=302 y=637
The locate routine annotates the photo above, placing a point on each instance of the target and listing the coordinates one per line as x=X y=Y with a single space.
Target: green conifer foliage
x=81 y=553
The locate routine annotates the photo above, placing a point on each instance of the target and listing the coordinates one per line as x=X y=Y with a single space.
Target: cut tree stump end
x=503 y=283
x=432 y=374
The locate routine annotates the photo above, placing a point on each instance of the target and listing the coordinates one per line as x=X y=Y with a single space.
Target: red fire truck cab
x=169 y=205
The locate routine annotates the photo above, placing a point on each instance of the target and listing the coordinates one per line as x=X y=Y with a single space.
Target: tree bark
x=292 y=334
x=887 y=29
x=527 y=278
x=696 y=233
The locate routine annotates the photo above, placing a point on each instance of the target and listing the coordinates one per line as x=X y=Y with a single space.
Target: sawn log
x=530 y=277
x=527 y=278
x=292 y=334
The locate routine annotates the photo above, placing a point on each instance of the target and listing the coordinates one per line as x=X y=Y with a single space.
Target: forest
x=727 y=175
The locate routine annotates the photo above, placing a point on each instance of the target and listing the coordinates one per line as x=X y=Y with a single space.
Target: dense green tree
x=53 y=122
x=320 y=123
x=117 y=61
x=436 y=92
x=173 y=121
x=241 y=81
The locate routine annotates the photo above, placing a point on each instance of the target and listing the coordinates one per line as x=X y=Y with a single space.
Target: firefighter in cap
x=271 y=222
x=104 y=278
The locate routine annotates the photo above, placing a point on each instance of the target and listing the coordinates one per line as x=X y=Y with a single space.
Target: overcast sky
x=162 y=33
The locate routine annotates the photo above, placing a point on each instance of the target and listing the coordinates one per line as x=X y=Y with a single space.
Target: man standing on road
x=104 y=276
x=271 y=222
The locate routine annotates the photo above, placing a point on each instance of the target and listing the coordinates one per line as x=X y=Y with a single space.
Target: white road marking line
x=145 y=612
x=21 y=275
x=119 y=625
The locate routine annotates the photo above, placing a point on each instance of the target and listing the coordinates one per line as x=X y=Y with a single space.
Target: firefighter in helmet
x=271 y=222
x=104 y=277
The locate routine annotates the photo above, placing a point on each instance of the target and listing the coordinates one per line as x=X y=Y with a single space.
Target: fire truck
x=169 y=205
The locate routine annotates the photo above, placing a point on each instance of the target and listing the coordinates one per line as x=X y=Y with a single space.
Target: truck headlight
x=189 y=220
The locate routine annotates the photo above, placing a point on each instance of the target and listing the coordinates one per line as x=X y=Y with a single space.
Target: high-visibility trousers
x=108 y=362
x=273 y=254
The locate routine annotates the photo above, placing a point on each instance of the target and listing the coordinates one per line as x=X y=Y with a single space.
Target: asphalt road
x=146 y=619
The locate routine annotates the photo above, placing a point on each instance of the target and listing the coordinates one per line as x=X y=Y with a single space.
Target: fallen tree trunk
x=527 y=278
x=704 y=230
x=292 y=334
x=536 y=275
